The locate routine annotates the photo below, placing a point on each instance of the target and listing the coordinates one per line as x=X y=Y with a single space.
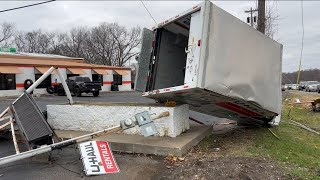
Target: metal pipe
x=24 y=155
x=68 y=142
x=48 y=148
x=65 y=86
x=42 y=78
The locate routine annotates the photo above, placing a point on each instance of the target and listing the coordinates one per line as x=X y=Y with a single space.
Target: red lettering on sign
x=107 y=158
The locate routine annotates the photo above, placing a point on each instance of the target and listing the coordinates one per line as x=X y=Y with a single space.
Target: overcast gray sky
x=63 y=15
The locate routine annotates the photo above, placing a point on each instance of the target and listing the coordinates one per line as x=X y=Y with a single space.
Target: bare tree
x=101 y=45
x=112 y=44
x=33 y=42
x=107 y=43
x=6 y=33
x=126 y=41
x=73 y=43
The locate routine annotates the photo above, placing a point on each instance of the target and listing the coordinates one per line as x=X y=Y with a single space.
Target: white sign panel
x=97 y=158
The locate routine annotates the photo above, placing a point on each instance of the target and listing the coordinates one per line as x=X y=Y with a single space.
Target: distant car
x=78 y=85
x=318 y=88
x=312 y=86
x=292 y=86
x=301 y=86
x=283 y=88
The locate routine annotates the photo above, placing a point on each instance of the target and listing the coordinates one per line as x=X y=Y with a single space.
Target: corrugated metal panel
x=30 y=119
x=144 y=61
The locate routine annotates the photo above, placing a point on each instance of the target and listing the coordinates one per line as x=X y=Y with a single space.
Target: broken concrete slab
x=93 y=117
x=163 y=146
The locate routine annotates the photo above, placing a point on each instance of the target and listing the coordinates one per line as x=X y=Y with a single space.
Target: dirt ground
x=217 y=157
x=224 y=156
x=227 y=167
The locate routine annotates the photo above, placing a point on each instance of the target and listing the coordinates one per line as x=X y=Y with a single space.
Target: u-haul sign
x=97 y=158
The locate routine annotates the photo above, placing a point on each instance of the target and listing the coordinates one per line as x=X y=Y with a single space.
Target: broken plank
x=14 y=137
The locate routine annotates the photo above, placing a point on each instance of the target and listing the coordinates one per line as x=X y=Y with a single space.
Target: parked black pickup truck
x=78 y=85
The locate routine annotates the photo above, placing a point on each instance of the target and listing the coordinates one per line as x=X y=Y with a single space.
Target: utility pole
x=261 y=16
x=251 y=20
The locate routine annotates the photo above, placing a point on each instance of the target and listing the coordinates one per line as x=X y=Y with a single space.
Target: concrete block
x=162 y=146
x=98 y=116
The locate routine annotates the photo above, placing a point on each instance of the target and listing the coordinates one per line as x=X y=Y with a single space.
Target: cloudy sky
x=63 y=15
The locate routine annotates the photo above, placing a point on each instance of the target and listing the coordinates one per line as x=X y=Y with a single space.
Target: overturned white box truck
x=220 y=66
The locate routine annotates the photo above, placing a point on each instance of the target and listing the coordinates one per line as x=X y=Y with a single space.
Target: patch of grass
x=302 y=115
x=298 y=148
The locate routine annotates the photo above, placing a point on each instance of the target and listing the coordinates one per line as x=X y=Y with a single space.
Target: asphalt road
x=66 y=163
x=43 y=101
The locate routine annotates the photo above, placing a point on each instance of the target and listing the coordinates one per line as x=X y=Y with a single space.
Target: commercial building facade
x=16 y=68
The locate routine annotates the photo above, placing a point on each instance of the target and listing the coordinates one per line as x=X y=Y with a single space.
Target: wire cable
x=301 y=50
x=148 y=12
x=30 y=5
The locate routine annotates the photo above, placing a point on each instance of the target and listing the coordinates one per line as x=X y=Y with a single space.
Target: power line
x=301 y=50
x=30 y=5
x=148 y=12
x=302 y=41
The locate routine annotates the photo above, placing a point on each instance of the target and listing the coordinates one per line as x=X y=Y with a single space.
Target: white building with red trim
x=16 y=68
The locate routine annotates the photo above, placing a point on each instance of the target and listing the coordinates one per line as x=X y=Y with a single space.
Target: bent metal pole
x=32 y=87
x=65 y=86
x=59 y=145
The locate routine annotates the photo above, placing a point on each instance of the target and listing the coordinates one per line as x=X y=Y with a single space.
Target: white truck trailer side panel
x=242 y=62
x=239 y=70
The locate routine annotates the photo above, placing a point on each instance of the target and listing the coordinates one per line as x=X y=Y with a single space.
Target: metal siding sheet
x=242 y=62
x=9 y=70
x=144 y=61
x=30 y=119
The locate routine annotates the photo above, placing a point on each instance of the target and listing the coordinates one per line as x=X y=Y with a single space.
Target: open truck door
x=144 y=60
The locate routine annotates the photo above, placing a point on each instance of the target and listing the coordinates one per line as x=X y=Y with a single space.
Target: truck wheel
x=77 y=92
x=50 y=89
x=96 y=93
x=60 y=92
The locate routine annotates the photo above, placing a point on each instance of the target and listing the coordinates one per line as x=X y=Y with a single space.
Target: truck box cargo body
x=214 y=62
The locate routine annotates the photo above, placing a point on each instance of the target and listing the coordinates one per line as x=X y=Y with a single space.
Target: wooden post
x=14 y=137
x=5 y=124
x=261 y=16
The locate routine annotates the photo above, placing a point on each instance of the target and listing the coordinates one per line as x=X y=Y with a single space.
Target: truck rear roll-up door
x=144 y=61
